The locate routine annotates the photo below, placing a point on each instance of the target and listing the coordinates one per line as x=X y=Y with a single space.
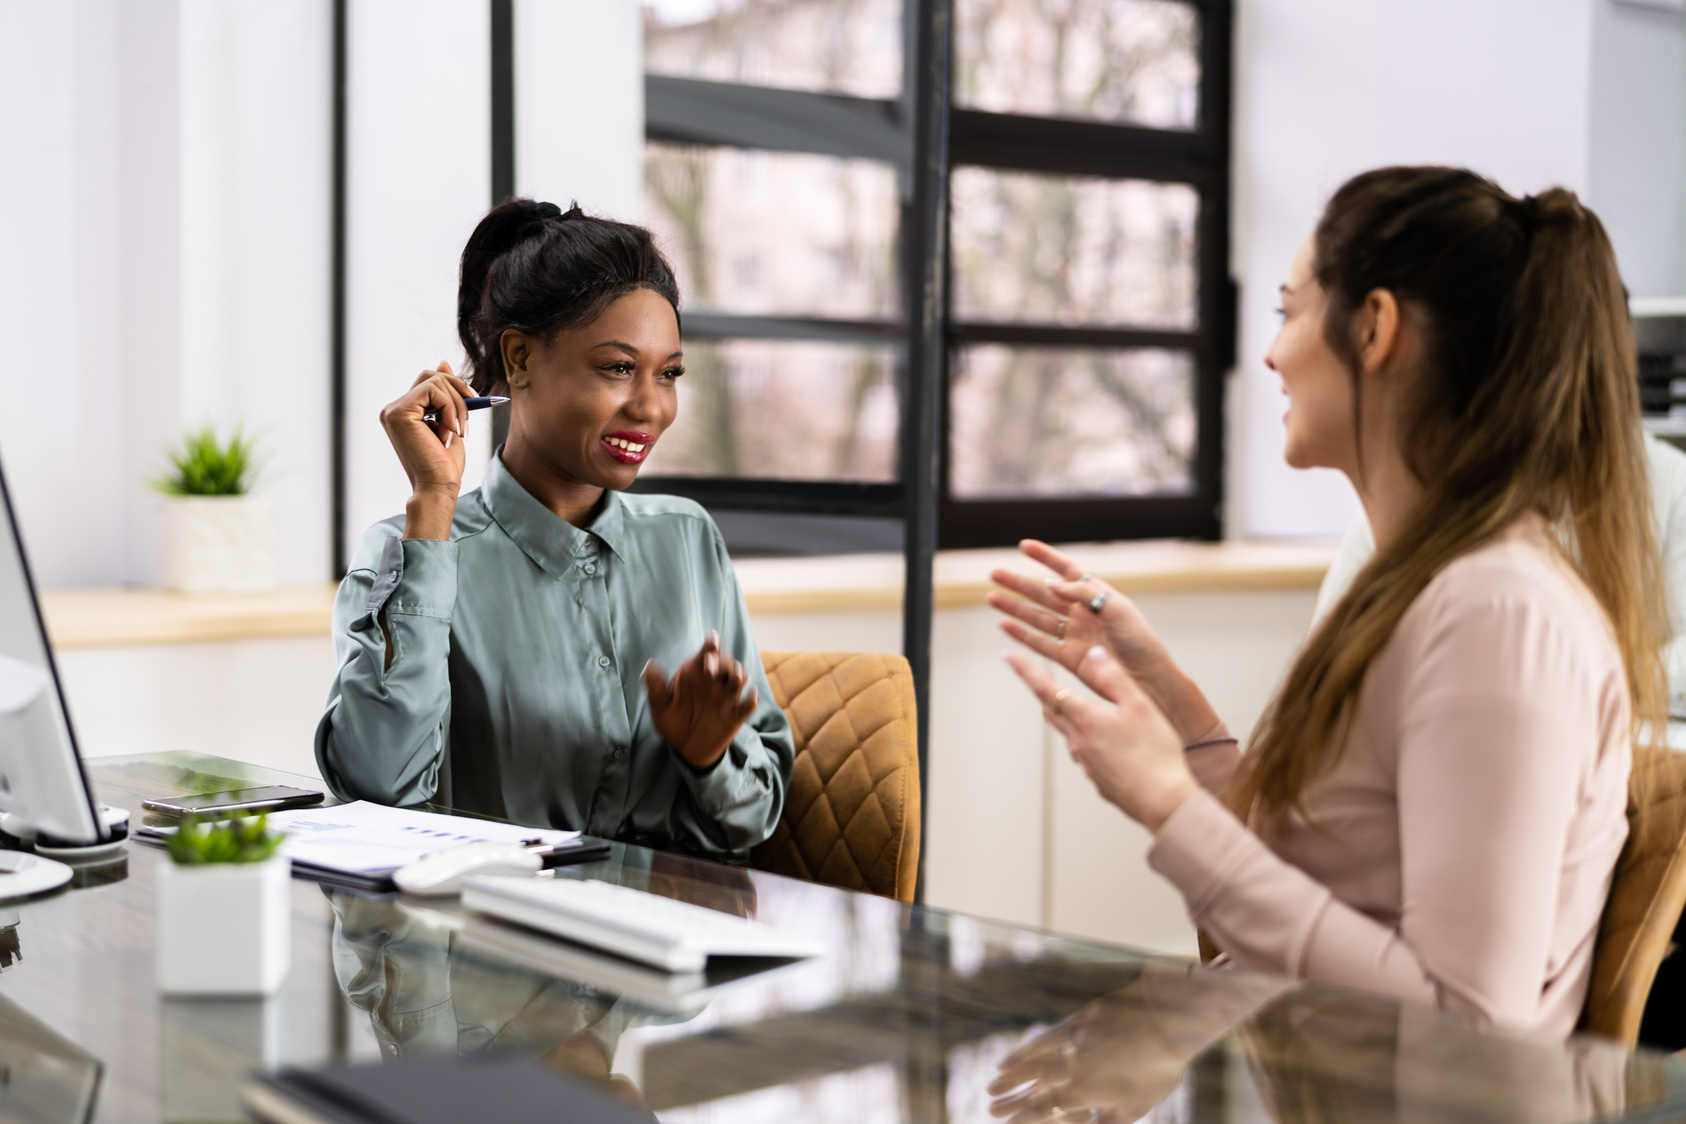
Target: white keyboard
x=674 y=935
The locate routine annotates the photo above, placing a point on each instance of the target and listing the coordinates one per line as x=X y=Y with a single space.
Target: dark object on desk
x=434 y=1091
x=270 y=798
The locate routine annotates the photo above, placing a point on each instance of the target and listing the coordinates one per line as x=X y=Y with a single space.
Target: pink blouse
x=1460 y=851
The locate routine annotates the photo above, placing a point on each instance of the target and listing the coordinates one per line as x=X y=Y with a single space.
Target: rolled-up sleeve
x=383 y=734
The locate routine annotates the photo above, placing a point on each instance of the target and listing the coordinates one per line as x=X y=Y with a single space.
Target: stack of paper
x=360 y=844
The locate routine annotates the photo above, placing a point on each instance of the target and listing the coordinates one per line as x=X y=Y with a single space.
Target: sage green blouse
x=515 y=688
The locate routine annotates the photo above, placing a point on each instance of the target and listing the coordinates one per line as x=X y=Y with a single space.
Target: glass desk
x=912 y=1015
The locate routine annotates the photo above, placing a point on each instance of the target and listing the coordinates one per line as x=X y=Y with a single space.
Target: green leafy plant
x=238 y=840
x=204 y=465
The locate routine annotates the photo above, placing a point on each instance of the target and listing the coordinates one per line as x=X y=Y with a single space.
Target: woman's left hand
x=1123 y=743
x=700 y=709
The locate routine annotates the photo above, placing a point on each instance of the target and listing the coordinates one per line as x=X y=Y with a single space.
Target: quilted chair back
x=851 y=814
x=1646 y=898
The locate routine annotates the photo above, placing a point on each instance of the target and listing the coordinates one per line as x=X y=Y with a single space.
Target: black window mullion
x=727 y=326
x=690 y=111
x=979 y=523
x=1059 y=335
x=1083 y=148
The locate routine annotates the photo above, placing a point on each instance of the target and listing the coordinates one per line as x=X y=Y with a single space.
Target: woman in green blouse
x=503 y=652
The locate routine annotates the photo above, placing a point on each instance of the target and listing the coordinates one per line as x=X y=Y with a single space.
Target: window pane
x=833 y=46
x=783 y=410
x=1072 y=250
x=1125 y=61
x=1049 y=421
x=775 y=233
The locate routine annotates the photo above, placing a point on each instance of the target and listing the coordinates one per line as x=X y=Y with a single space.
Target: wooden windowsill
x=93 y=618
x=101 y=618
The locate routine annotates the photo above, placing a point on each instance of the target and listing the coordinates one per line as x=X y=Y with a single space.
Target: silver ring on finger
x=1098 y=601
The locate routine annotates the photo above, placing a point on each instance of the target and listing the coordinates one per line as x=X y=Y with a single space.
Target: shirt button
x=620 y=752
x=393 y=575
x=603 y=661
x=590 y=567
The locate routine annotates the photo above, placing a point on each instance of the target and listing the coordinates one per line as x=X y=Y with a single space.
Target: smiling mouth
x=628 y=448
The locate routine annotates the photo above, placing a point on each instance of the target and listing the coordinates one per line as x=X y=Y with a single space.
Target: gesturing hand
x=1124 y=745
x=700 y=709
x=1052 y=617
x=431 y=452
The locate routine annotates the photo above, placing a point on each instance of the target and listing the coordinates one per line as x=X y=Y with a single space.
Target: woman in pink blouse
x=1432 y=805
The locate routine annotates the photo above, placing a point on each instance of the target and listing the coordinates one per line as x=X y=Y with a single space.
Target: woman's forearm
x=1180 y=699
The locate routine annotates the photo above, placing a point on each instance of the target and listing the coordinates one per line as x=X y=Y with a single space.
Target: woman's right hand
x=431 y=452
x=1051 y=617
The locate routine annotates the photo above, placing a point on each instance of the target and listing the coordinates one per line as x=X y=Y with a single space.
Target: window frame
x=702 y=112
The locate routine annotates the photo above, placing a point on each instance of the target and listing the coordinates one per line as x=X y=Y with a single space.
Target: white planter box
x=224 y=928
x=219 y=544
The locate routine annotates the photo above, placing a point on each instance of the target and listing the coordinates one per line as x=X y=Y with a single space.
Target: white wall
x=1636 y=176
x=59 y=437
x=419 y=177
x=250 y=700
x=164 y=222
x=1329 y=88
x=255 y=111
x=579 y=105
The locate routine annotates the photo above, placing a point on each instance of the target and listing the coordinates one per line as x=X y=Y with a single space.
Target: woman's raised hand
x=1056 y=617
x=700 y=709
x=431 y=452
x=1123 y=742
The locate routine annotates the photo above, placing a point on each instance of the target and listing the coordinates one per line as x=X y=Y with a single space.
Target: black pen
x=471 y=403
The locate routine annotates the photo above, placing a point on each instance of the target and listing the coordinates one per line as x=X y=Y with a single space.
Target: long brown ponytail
x=1529 y=403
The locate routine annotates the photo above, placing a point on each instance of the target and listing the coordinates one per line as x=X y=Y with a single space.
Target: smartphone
x=269 y=799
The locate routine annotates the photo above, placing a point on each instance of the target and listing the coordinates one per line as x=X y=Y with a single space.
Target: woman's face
x=592 y=401
x=1317 y=383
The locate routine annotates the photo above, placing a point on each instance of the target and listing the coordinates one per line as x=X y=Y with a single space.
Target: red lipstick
x=628 y=445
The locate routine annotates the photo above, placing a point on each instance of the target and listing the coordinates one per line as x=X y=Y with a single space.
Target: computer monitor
x=44 y=791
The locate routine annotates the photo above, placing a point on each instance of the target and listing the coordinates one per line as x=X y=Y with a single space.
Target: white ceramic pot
x=224 y=928
x=219 y=544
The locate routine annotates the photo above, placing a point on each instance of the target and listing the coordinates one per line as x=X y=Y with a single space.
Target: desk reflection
x=45 y=1078
x=434 y=982
x=426 y=992
x=1180 y=1045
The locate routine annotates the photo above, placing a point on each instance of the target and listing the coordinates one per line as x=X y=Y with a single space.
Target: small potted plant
x=224 y=910
x=218 y=537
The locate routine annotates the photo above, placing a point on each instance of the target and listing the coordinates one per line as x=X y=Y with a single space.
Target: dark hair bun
x=533 y=267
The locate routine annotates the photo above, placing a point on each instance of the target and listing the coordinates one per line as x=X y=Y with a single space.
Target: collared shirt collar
x=545 y=537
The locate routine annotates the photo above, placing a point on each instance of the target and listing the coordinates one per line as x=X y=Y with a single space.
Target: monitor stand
x=16 y=832
x=23 y=874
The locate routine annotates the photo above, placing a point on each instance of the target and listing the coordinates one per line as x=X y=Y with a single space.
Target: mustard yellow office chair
x=1646 y=898
x=851 y=815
